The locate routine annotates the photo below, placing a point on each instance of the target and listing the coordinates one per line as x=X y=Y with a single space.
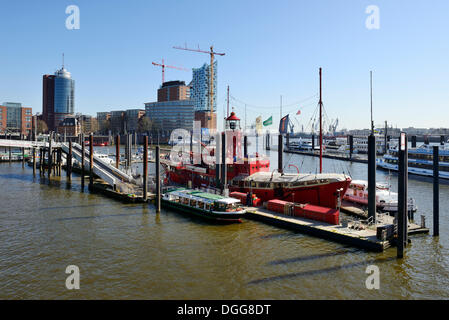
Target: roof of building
x=173 y=83
x=276 y=177
x=68 y=122
x=233 y=116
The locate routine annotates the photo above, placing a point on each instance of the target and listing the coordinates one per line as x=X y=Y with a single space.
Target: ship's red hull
x=321 y=194
x=324 y=195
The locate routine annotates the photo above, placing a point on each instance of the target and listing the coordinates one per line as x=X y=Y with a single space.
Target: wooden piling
x=91 y=161
x=218 y=160
x=117 y=151
x=50 y=156
x=402 y=195
x=280 y=153
x=158 y=181
x=405 y=213
x=34 y=161
x=267 y=143
x=245 y=149
x=436 y=192
x=40 y=160
x=83 y=151
x=351 y=146
x=413 y=141
x=145 y=167
x=69 y=162
x=223 y=162
x=372 y=177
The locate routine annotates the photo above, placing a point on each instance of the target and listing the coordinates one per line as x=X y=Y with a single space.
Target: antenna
x=63 y=60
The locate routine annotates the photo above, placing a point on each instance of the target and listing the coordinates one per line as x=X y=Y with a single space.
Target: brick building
x=15 y=118
x=173 y=91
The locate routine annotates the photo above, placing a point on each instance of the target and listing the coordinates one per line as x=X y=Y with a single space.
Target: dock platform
x=334 y=156
x=365 y=239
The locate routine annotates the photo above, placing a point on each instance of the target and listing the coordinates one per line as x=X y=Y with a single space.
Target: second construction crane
x=166 y=66
x=212 y=54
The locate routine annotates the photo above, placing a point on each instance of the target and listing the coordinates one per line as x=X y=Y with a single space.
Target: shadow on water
x=78 y=206
x=320 y=271
x=279 y=235
x=100 y=216
x=15 y=176
x=312 y=257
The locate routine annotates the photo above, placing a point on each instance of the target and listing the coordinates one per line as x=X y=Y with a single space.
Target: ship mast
x=321 y=129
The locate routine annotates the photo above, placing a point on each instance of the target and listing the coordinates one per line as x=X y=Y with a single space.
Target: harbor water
x=127 y=251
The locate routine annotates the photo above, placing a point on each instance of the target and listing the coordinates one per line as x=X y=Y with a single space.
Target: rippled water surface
x=127 y=251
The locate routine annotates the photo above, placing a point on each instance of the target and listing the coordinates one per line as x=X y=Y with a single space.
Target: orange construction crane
x=212 y=54
x=166 y=66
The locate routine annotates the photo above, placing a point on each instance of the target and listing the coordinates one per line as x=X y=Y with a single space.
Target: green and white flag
x=268 y=122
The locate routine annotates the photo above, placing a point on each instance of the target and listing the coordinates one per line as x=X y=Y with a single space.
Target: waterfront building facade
x=87 y=123
x=173 y=91
x=58 y=98
x=103 y=119
x=116 y=122
x=169 y=115
x=69 y=127
x=131 y=119
x=16 y=119
x=199 y=88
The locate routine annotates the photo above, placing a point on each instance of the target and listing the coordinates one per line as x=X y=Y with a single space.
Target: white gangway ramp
x=109 y=173
x=25 y=143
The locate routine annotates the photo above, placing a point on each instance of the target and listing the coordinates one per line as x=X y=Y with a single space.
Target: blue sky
x=272 y=48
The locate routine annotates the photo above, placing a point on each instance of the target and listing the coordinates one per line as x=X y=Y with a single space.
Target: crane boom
x=212 y=54
x=167 y=66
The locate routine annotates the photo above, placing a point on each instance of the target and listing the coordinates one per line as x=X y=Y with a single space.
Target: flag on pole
x=268 y=122
x=259 y=124
x=283 y=125
x=298 y=113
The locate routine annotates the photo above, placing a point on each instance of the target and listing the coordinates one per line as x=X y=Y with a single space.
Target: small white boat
x=104 y=158
x=386 y=200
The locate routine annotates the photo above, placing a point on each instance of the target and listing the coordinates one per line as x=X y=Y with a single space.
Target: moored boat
x=420 y=161
x=386 y=200
x=202 y=204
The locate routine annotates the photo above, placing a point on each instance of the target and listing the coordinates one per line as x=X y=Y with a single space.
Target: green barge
x=205 y=205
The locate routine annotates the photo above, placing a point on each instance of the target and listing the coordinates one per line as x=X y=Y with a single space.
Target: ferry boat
x=203 y=204
x=361 y=144
x=420 y=161
x=386 y=200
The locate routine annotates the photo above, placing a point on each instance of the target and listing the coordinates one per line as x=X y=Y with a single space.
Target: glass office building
x=13 y=115
x=58 y=98
x=199 y=88
x=170 y=115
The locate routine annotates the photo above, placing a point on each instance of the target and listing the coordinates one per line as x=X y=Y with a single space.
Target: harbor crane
x=167 y=66
x=212 y=54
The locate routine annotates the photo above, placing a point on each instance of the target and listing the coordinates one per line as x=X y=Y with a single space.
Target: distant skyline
x=272 y=48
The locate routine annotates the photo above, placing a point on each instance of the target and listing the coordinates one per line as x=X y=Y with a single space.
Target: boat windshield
x=227 y=207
